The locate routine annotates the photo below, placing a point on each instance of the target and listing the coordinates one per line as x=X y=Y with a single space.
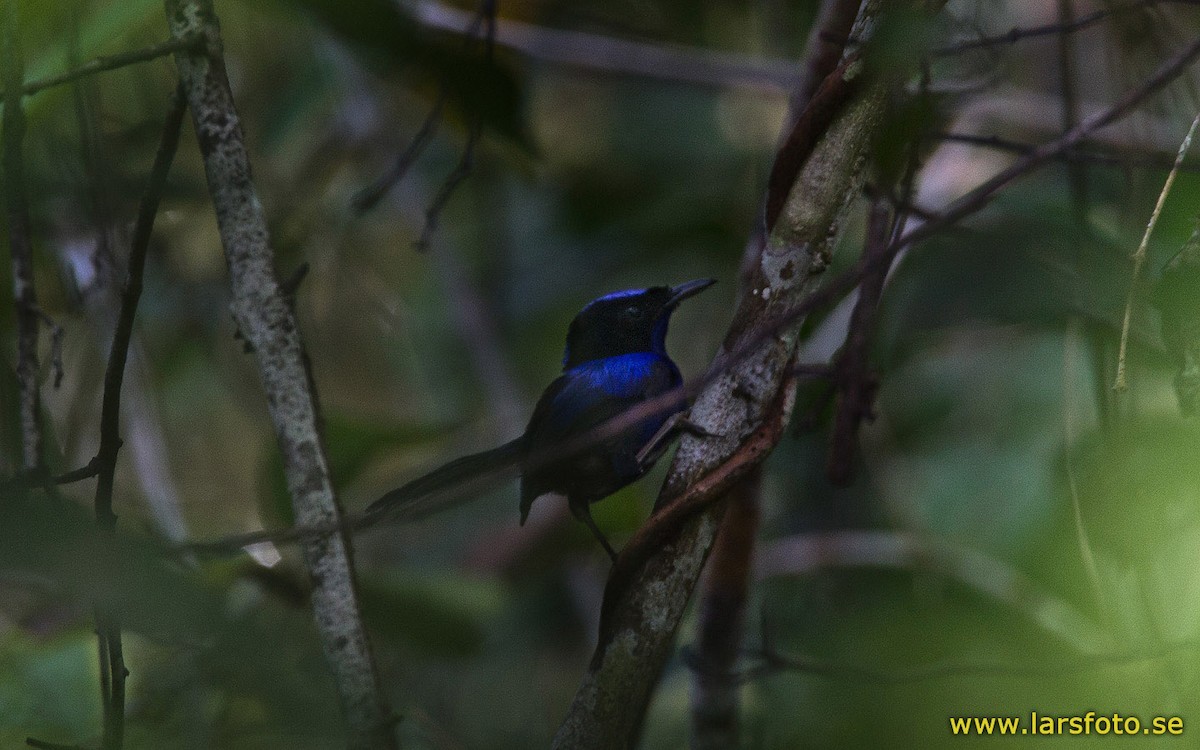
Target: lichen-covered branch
x=746 y=405
x=17 y=210
x=269 y=325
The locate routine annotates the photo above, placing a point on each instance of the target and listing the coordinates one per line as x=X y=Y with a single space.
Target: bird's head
x=626 y=322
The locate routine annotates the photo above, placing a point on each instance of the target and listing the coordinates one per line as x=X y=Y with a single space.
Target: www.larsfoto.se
x=1089 y=723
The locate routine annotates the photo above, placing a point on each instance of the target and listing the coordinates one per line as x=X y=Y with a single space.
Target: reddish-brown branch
x=722 y=616
x=856 y=383
x=834 y=91
x=675 y=512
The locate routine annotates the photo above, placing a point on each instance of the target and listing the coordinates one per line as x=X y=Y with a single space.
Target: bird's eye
x=633 y=312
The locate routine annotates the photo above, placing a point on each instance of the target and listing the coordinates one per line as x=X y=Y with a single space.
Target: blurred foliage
x=997 y=432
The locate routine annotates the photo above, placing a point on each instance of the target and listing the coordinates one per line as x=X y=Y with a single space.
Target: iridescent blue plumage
x=615 y=358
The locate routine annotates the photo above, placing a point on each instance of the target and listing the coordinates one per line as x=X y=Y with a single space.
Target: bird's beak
x=688 y=289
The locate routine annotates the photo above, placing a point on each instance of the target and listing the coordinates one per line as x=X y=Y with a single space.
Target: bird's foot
x=669 y=431
x=686 y=425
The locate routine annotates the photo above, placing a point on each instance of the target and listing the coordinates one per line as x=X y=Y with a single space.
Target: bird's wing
x=590 y=394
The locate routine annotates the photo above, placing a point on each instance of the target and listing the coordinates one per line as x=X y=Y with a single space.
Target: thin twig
x=486 y=17
x=774 y=661
x=462 y=170
x=856 y=384
x=1119 y=158
x=110 y=410
x=20 y=249
x=596 y=52
x=1061 y=28
x=43 y=745
x=108 y=623
x=369 y=197
x=80 y=474
x=106 y=63
x=722 y=615
x=1139 y=256
x=979 y=197
x=1076 y=173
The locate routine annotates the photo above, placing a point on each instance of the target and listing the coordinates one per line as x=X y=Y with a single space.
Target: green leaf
x=389 y=39
x=443 y=614
x=351 y=444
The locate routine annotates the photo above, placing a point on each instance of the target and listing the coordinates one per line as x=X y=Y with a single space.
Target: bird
x=614 y=359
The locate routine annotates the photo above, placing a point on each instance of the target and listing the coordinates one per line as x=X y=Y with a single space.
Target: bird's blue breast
x=627 y=375
x=595 y=391
x=586 y=396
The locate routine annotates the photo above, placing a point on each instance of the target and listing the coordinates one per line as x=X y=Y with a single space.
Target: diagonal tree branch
x=266 y=320
x=715 y=699
x=746 y=407
x=980 y=196
x=1066 y=25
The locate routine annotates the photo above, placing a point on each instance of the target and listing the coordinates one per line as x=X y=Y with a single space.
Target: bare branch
x=105 y=63
x=108 y=623
x=856 y=384
x=114 y=374
x=1063 y=27
x=981 y=196
x=20 y=249
x=369 y=197
x=486 y=17
x=266 y=320
x=622 y=56
x=1139 y=256
x=1117 y=158
x=722 y=615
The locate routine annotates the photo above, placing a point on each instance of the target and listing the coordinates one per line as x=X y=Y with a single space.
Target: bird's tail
x=446 y=486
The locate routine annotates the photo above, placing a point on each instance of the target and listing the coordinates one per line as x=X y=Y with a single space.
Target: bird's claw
x=686 y=425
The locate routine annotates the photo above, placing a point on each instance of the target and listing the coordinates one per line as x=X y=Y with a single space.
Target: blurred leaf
x=444 y=614
x=42 y=683
x=351 y=444
x=385 y=36
x=1140 y=486
x=1032 y=266
x=53 y=539
x=968 y=428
